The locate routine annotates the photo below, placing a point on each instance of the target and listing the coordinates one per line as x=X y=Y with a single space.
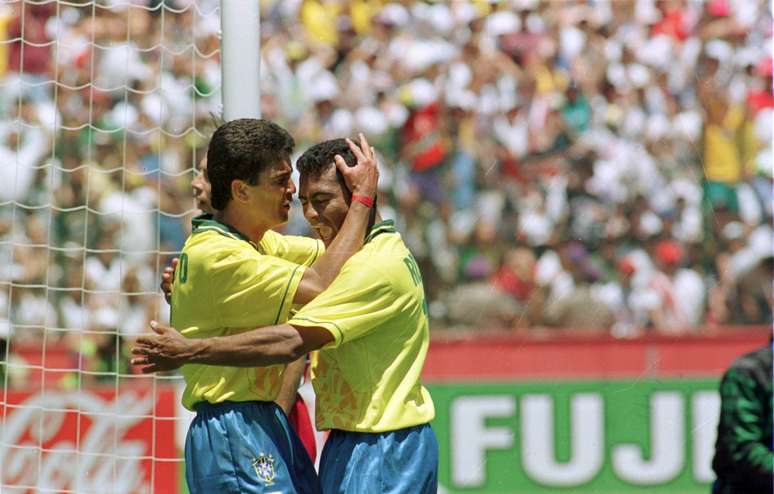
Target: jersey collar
x=386 y=226
x=206 y=222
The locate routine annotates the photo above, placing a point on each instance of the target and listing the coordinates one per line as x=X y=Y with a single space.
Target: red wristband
x=368 y=201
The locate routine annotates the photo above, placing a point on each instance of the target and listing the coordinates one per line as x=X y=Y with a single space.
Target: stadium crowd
x=583 y=164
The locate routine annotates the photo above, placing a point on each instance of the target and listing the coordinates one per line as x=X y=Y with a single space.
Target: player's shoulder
x=387 y=249
x=274 y=240
x=271 y=238
x=382 y=261
x=756 y=360
x=212 y=241
x=213 y=249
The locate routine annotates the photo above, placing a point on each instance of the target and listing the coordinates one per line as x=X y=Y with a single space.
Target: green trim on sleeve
x=291 y=281
x=316 y=251
x=335 y=329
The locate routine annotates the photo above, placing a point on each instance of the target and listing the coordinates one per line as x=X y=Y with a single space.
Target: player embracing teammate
x=367 y=326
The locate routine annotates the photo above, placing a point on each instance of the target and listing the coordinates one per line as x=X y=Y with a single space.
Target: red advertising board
x=94 y=441
x=573 y=354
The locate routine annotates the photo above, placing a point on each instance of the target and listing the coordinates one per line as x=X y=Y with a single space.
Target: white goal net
x=105 y=107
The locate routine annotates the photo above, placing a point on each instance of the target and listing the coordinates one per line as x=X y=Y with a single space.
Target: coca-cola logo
x=79 y=441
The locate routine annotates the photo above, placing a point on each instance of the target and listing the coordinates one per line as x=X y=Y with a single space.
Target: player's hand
x=167 y=279
x=164 y=351
x=362 y=178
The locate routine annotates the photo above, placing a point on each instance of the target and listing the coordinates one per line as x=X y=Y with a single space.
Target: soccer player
x=301 y=250
x=225 y=283
x=371 y=329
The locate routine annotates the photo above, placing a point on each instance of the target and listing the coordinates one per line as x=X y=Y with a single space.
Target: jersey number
x=182 y=269
x=416 y=277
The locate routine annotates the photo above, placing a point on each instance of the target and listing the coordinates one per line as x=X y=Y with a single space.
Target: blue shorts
x=402 y=461
x=246 y=447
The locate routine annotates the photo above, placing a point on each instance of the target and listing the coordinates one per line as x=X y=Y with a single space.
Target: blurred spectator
x=679 y=291
x=516 y=275
x=630 y=300
x=570 y=298
x=727 y=152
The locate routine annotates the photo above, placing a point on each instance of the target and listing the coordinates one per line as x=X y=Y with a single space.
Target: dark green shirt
x=744 y=461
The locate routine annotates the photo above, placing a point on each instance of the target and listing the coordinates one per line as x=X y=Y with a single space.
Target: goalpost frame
x=240 y=63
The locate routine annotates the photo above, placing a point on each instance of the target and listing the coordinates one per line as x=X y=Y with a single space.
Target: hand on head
x=363 y=178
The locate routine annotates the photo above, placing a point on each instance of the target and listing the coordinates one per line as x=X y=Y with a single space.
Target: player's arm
x=168 y=349
x=293 y=248
x=298 y=250
x=291 y=379
x=362 y=180
x=338 y=314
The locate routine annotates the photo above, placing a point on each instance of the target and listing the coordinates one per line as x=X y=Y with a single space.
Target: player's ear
x=239 y=191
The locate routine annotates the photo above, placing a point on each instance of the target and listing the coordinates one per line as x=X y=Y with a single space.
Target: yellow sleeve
x=244 y=284
x=358 y=300
x=298 y=250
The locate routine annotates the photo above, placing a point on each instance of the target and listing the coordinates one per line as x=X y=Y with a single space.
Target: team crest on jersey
x=264 y=467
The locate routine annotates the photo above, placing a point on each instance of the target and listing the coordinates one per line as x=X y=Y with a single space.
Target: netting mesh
x=105 y=107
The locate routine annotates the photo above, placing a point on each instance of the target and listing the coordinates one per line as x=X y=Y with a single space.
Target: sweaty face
x=325 y=203
x=202 y=188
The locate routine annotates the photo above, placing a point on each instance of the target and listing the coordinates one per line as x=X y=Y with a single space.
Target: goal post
x=240 y=58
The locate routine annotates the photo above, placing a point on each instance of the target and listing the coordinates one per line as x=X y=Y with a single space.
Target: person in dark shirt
x=744 y=461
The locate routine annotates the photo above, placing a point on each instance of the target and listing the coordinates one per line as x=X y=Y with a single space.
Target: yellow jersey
x=225 y=284
x=368 y=378
x=729 y=148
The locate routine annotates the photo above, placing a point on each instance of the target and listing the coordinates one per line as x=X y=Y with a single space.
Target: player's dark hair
x=317 y=159
x=241 y=150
